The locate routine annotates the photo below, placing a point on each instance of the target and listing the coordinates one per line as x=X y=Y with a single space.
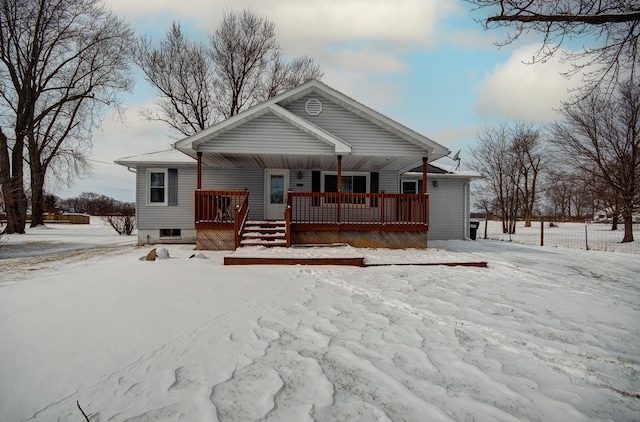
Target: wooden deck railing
x=358 y=211
x=216 y=208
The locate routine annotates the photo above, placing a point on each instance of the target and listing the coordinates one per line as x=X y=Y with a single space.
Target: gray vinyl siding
x=365 y=137
x=300 y=185
x=267 y=134
x=389 y=182
x=181 y=216
x=447 y=210
x=238 y=179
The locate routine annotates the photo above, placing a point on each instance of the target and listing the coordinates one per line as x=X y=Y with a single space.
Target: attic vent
x=313 y=107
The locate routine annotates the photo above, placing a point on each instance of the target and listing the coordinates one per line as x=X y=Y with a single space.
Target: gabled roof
x=274 y=105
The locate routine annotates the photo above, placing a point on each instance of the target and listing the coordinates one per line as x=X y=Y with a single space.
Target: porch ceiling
x=310 y=162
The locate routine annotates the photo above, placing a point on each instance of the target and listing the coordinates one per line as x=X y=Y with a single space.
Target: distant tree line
x=120 y=215
x=89 y=203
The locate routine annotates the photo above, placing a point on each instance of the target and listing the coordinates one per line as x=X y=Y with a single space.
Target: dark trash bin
x=473 y=229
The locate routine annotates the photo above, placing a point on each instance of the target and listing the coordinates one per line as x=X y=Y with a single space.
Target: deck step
x=256 y=229
x=264 y=233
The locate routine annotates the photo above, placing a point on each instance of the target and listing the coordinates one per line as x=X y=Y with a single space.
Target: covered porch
x=361 y=219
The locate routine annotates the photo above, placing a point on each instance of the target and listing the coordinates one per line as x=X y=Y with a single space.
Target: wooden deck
x=355 y=262
x=321 y=255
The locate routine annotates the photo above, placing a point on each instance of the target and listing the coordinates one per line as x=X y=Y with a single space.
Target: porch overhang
x=310 y=162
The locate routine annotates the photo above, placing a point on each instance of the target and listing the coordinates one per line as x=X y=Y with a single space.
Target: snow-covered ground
x=542 y=334
x=587 y=236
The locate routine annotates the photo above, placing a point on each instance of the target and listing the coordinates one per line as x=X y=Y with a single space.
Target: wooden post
x=425 y=207
x=199 y=182
x=541 y=232
x=339 y=173
x=424 y=174
x=381 y=207
x=339 y=186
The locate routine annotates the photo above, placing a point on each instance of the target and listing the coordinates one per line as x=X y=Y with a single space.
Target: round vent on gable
x=313 y=107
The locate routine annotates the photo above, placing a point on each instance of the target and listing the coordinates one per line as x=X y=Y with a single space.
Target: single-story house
x=308 y=166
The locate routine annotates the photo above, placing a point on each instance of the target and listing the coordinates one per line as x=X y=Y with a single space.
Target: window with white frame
x=157 y=186
x=162 y=187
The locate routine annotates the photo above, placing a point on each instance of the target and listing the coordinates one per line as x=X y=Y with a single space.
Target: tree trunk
x=628 y=230
x=12 y=181
x=628 y=221
x=527 y=216
x=486 y=223
x=37 y=193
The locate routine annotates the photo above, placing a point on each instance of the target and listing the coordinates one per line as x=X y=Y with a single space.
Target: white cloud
x=516 y=90
x=366 y=36
x=346 y=20
x=326 y=20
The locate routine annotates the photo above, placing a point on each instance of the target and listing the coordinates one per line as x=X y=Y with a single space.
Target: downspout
x=465 y=220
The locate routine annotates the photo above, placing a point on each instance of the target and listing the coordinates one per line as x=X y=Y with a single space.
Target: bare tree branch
x=612 y=26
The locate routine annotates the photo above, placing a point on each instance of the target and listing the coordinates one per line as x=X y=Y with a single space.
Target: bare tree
x=613 y=25
x=200 y=84
x=558 y=191
x=493 y=158
x=61 y=62
x=183 y=75
x=601 y=135
x=527 y=151
x=484 y=200
x=511 y=159
x=241 y=49
x=122 y=218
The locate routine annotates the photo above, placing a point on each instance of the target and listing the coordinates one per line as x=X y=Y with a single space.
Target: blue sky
x=424 y=63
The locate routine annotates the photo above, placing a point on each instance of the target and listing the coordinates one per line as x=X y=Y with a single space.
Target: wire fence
x=586 y=236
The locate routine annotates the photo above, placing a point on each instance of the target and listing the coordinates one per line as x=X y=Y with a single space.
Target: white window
x=157 y=180
x=162 y=187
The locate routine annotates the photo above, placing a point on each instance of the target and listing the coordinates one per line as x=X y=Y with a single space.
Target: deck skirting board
x=362 y=239
x=215 y=240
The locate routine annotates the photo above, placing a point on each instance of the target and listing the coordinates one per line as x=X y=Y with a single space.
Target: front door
x=276 y=187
